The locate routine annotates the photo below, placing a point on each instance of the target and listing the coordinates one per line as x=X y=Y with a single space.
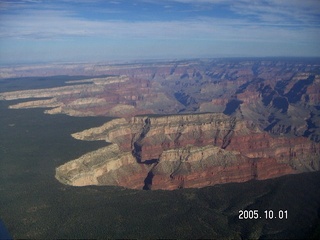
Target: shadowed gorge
x=252 y=89
x=238 y=120
x=147 y=119
x=263 y=154
x=187 y=151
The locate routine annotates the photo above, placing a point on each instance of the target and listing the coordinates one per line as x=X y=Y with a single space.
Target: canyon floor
x=186 y=126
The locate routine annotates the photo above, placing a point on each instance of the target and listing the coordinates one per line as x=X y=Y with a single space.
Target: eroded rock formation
x=260 y=116
x=282 y=97
x=179 y=151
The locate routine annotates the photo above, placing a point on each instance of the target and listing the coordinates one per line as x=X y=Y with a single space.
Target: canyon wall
x=282 y=97
x=183 y=151
x=175 y=121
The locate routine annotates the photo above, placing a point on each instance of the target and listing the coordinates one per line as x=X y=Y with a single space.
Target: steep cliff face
x=110 y=96
x=106 y=166
x=262 y=114
x=182 y=151
x=281 y=97
x=156 y=134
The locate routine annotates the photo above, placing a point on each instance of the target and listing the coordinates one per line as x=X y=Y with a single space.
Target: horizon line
x=143 y=60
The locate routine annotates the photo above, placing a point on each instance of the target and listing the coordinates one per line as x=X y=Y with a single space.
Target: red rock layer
x=189 y=151
x=259 y=169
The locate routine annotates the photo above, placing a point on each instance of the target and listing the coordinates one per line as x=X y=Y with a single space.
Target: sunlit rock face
x=186 y=123
x=186 y=151
x=282 y=97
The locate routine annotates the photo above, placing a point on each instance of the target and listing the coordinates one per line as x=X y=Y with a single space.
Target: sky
x=42 y=31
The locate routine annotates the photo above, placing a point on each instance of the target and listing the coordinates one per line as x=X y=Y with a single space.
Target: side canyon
x=186 y=151
x=188 y=124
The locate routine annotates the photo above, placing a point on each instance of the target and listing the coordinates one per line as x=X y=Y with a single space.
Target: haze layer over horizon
x=67 y=30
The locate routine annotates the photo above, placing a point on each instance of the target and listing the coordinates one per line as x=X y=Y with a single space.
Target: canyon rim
x=189 y=124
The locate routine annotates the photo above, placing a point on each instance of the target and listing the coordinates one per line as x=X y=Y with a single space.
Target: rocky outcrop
x=111 y=96
x=169 y=132
x=260 y=116
x=179 y=151
x=105 y=166
x=279 y=96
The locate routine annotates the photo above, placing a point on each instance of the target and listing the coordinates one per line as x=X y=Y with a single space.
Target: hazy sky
x=96 y=30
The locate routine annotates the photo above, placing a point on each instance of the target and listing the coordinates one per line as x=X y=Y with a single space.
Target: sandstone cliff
x=168 y=152
x=281 y=97
x=262 y=114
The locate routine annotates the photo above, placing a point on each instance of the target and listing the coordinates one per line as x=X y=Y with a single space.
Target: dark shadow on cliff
x=232 y=106
x=148 y=181
x=137 y=150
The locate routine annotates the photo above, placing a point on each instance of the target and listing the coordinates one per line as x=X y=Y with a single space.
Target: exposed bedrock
x=185 y=151
x=281 y=97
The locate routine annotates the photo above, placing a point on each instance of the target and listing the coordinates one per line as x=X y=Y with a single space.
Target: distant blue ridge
x=4 y=234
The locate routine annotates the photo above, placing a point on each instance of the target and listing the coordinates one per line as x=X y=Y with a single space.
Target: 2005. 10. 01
x=268 y=214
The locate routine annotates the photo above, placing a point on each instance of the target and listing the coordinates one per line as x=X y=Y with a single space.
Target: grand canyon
x=185 y=124
x=145 y=119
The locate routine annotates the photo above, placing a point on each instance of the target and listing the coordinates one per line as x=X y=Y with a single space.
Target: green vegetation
x=33 y=204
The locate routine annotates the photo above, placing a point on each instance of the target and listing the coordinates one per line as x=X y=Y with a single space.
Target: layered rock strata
x=182 y=151
x=270 y=122
x=282 y=97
